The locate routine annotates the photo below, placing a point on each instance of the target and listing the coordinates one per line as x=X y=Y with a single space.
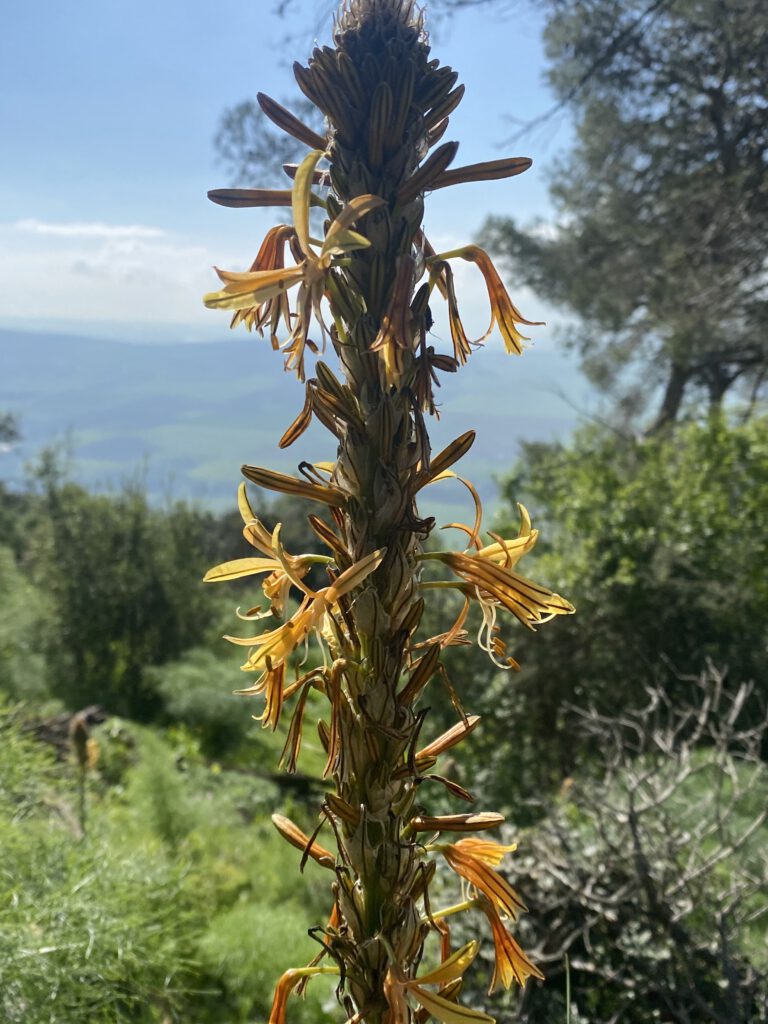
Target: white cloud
x=76 y=273
x=88 y=230
x=90 y=271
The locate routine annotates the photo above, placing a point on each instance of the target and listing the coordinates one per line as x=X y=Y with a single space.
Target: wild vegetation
x=628 y=754
x=180 y=874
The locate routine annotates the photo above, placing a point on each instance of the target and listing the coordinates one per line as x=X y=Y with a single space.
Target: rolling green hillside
x=187 y=415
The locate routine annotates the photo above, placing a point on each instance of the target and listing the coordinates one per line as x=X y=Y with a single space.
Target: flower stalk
x=367 y=286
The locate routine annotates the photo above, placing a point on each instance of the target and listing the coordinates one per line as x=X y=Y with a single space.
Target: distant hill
x=186 y=415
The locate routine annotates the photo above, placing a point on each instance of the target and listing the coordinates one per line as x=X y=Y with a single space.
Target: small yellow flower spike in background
x=367 y=284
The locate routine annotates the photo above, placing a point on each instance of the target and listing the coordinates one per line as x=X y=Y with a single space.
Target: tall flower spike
x=367 y=284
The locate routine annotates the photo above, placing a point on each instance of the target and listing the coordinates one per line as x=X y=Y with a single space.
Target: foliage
x=121 y=581
x=650 y=871
x=9 y=428
x=661 y=543
x=248 y=968
x=88 y=932
x=659 y=245
x=24 y=608
x=197 y=691
x=157 y=914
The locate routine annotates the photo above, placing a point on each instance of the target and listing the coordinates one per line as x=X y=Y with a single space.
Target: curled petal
x=283 y=989
x=489 y=882
x=294 y=835
x=446 y=1011
x=452 y=968
x=511 y=963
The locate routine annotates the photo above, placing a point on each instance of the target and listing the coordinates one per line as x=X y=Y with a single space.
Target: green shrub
x=99 y=930
x=661 y=544
x=25 y=617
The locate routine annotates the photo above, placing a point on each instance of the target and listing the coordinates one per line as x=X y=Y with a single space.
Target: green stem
x=81 y=800
x=457 y=908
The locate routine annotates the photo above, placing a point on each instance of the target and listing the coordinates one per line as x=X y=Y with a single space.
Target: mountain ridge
x=187 y=414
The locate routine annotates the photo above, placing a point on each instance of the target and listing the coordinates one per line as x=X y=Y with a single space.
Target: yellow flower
x=270 y=650
x=529 y=602
x=511 y=963
x=450 y=971
x=489 y=579
x=469 y=859
x=283 y=570
x=504 y=313
x=276 y=645
x=260 y=294
x=486 y=850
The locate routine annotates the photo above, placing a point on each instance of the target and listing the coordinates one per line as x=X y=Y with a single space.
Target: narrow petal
x=292 y=485
x=302 y=197
x=456 y=822
x=354 y=575
x=450 y=969
x=456 y=450
x=447 y=1012
x=289 y=123
x=240 y=568
x=512 y=965
x=490 y=170
x=450 y=738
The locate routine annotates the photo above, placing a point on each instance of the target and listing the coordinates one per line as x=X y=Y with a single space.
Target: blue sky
x=108 y=109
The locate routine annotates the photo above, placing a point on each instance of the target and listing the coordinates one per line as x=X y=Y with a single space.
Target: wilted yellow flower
x=470 y=861
x=504 y=313
x=272 y=648
x=283 y=570
x=271 y=256
x=511 y=963
x=260 y=294
x=489 y=580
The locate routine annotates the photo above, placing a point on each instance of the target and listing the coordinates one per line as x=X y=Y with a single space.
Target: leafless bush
x=651 y=874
